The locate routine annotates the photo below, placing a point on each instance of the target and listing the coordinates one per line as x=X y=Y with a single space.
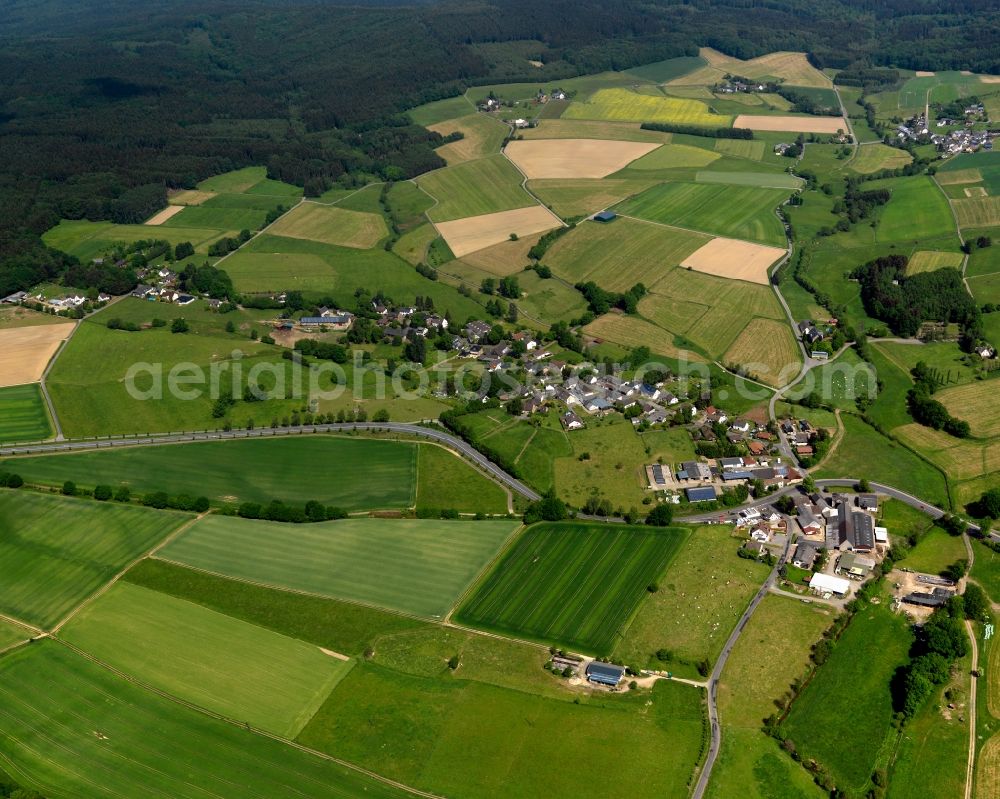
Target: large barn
x=605 y=673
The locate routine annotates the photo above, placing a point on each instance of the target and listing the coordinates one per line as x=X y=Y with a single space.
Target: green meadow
x=276 y=263
x=23 y=416
x=484 y=186
x=572 y=583
x=741 y=212
x=857 y=674
x=56 y=551
x=415 y=566
x=459 y=736
x=381 y=474
x=239 y=670
x=105 y=738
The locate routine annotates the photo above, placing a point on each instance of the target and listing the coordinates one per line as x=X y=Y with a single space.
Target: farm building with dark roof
x=605 y=673
x=703 y=494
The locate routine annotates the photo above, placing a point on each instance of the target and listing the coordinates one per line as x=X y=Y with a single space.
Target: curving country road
x=441 y=436
x=713 y=681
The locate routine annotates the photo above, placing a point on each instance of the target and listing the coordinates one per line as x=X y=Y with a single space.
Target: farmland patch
x=740 y=260
x=26 y=351
x=331 y=225
x=414 y=566
x=575 y=158
x=465 y=236
x=794 y=124
x=572 y=583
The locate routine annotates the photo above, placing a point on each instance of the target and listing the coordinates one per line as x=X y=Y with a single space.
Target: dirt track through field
x=25 y=352
x=164 y=215
x=574 y=158
x=478 y=232
x=732 y=258
x=791 y=124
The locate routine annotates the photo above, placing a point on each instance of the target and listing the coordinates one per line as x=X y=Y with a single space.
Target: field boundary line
x=481 y=574
x=107 y=586
x=18 y=623
x=260 y=232
x=529 y=192
x=236 y=723
x=958 y=228
x=526 y=444
x=299 y=591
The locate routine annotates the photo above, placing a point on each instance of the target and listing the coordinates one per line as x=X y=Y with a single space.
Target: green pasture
x=742 y=212
x=220 y=218
x=89 y=385
x=986 y=570
x=441 y=110
x=56 y=551
x=663 y=71
x=866 y=453
x=916 y=210
x=343 y=627
x=857 y=674
x=274 y=263
x=460 y=737
x=619 y=254
x=239 y=670
x=752 y=765
x=572 y=583
x=700 y=599
x=105 y=738
x=763 y=180
x=414 y=566
x=484 y=186
x=935 y=551
x=759 y=672
x=87 y=240
x=347 y=472
x=446 y=481
x=840 y=383
x=574 y=198
x=933 y=752
x=23 y=415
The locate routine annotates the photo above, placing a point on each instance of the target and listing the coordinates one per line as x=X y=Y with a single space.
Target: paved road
x=713 y=682
x=969 y=773
x=441 y=436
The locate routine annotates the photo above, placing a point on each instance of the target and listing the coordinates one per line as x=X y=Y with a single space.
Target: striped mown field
x=22 y=414
x=56 y=551
x=417 y=566
x=240 y=670
x=105 y=738
x=572 y=583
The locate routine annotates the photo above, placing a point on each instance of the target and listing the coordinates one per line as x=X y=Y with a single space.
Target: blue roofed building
x=605 y=216
x=703 y=494
x=605 y=673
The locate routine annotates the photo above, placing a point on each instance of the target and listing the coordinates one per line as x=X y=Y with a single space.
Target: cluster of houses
x=161 y=287
x=800 y=435
x=960 y=140
x=702 y=481
x=734 y=85
x=963 y=140
x=64 y=303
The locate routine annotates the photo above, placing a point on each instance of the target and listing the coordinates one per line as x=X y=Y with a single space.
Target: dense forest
x=103 y=106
